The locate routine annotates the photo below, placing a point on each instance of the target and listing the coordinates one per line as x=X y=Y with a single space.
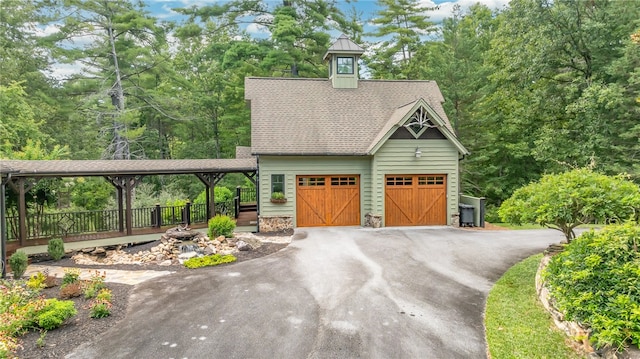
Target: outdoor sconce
x=418 y=152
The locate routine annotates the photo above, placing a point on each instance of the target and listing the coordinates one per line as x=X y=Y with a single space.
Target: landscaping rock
x=243 y=246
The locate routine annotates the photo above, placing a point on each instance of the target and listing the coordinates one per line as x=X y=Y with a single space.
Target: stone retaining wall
x=578 y=333
x=275 y=223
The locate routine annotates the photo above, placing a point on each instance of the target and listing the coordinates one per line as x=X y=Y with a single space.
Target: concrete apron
x=130 y=277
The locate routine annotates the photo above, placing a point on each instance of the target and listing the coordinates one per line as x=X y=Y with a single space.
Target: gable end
x=402 y=133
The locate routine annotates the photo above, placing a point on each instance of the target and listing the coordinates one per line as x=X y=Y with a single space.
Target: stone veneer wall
x=275 y=223
x=372 y=220
x=455 y=220
x=574 y=330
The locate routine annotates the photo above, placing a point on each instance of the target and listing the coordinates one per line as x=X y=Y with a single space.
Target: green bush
x=55 y=313
x=100 y=308
x=18 y=262
x=55 y=248
x=221 y=226
x=596 y=281
x=220 y=193
x=566 y=200
x=207 y=261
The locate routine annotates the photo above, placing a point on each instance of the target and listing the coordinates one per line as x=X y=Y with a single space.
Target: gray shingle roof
x=293 y=116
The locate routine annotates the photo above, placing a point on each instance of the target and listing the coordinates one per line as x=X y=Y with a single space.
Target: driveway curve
x=341 y=292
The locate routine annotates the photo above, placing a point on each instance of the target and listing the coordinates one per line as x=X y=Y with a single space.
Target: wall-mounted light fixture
x=418 y=152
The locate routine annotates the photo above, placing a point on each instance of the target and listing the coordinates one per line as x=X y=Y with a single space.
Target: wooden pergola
x=124 y=175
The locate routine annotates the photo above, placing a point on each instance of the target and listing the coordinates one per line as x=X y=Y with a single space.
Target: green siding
x=291 y=166
x=398 y=157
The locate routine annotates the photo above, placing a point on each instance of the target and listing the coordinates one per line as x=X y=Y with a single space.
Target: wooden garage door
x=328 y=200
x=414 y=200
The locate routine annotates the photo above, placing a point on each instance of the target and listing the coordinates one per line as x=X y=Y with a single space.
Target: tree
x=126 y=48
x=567 y=200
x=402 y=23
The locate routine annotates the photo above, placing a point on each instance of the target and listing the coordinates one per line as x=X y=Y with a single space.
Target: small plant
x=8 y=345
x=94 y=285
x=49 y=280
x=207 y=261
x=18 y=262
x=277 y=195
x=71 y=290
x=221 y=226
x=37 y=281
x=100 y=308
x=40 y=342
x=71 y=275
x=55 y=248
x=104 y=294
x=55 y=313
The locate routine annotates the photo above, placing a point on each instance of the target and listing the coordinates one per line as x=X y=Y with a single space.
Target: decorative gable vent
x=419 y=122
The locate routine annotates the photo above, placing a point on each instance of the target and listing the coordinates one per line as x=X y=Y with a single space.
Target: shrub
x=207 y=261
x=55 y=313
x=18 y=262
x=221 y=226
x=596 y=281
x=71 y=275
x=564 y=201
x=37 y=281
x=55 y=248
x=100 y=308
x=71 y=290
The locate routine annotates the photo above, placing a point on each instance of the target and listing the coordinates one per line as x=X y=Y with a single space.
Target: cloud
x=254 y=28
x=169 y=13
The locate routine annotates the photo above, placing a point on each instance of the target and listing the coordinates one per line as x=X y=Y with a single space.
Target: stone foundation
x=372 y=220
x=455 y=220
x=577 y=332
x=275 y=223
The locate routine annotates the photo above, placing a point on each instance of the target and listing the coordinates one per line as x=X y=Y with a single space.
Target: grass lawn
x=536 y=226
x=517 y=324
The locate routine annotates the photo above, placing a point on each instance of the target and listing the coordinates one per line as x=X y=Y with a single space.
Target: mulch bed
x=81 y=328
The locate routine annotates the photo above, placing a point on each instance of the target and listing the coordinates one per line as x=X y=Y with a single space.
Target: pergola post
x=126 y=183
x=210 y=180
x=120 y=208
x=22 y=212
x=3 y=225
x=129 y=183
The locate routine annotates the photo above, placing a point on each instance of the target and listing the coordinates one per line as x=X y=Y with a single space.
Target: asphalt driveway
x=332 y=293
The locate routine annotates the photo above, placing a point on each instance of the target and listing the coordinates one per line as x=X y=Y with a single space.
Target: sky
x=162 y=8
